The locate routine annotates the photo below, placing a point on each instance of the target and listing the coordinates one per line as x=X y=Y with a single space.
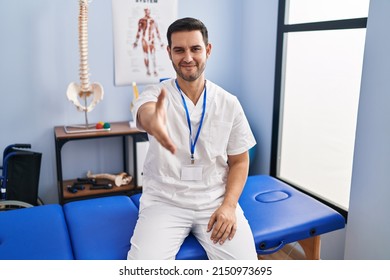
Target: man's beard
x=191 y=77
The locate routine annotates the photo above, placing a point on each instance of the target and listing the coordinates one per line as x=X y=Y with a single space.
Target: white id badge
x=191 y=172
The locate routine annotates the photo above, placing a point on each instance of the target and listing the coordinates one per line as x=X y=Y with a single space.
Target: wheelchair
x=19 y=177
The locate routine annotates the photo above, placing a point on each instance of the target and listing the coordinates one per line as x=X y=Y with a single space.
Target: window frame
x=283 y=29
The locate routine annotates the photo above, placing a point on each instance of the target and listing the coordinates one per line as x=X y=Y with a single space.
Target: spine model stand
x=85 y=90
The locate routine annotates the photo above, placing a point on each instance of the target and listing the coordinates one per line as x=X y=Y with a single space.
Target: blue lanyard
x=193 y=142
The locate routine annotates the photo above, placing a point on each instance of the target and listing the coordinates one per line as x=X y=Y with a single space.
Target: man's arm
x=223 y=221
x=151 y=117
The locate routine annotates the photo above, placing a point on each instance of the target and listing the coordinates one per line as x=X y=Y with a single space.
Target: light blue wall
x=259 y=27
x=39 y=58
x=368 y=224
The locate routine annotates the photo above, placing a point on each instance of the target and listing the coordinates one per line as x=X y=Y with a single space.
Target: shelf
x=117 y=129
x=86 y=192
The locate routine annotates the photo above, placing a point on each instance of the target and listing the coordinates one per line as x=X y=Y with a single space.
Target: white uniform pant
x=161 y=229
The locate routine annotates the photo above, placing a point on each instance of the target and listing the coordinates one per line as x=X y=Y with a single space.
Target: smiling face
x=189 y=54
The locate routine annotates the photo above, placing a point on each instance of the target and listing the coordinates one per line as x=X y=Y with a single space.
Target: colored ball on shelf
x=106 y=125
x=99 y=125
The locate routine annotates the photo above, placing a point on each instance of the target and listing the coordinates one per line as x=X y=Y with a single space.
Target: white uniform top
x=225 y=131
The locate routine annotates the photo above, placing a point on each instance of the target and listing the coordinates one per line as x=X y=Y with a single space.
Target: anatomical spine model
x=85 y=89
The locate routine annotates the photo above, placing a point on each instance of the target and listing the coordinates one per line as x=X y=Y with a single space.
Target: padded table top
x=279 y=214
x=38 y=233
x=100 y=228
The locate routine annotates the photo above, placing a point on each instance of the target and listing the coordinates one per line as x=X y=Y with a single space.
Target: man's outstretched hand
x=152 y=117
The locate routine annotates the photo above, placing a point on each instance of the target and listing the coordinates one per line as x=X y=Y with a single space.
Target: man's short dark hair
x=187 y=24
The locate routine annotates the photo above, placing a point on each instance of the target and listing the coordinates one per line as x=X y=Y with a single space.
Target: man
x=197 y=162
x=147 y=28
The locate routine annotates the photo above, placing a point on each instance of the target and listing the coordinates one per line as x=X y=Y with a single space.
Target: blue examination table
x=100 y=228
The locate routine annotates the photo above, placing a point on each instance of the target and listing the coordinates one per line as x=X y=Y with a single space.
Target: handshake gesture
x=152 y=118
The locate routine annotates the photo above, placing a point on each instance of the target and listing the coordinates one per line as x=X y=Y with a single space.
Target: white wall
x=368 y=223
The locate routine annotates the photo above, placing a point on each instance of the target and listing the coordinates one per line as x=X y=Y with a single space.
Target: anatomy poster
x=140 y=43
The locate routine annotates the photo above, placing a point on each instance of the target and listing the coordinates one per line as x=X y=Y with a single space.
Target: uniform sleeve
x=149 y=94
x=241 y=137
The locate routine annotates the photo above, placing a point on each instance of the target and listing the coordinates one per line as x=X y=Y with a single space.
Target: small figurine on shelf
x=119 y=179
